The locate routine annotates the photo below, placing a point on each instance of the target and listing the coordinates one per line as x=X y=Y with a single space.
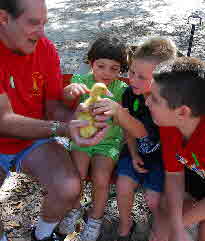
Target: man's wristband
x=54 y=127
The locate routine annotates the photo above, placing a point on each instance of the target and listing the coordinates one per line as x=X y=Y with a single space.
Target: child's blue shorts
x=153 y=180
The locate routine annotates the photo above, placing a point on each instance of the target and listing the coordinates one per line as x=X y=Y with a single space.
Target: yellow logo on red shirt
x=37 y=83
x=12 y=84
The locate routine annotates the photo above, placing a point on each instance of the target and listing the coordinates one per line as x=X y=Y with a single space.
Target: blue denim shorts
x=8 y=161
x=153 y=179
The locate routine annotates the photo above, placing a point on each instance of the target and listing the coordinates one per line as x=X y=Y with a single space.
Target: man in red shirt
x=32 y=115
x=177 y=105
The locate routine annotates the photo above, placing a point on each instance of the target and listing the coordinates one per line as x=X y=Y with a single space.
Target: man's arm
x=14 y=125
x=56 y=110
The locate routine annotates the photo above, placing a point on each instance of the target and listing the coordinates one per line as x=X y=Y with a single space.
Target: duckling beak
x=109 y=93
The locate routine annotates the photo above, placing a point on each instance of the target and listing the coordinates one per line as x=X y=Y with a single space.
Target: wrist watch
x=55 y=125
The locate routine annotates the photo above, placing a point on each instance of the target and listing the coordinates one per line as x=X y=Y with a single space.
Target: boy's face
x=162 y=115
x=105 y=70
x=22 y=34
x=140 y=76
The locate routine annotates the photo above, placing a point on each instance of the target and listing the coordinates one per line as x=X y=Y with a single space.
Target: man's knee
x=2 y=176
x=68 y=190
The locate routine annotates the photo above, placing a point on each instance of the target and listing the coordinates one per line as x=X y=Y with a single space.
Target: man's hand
x=75 y=90
x=138 y=163
x=74 y=126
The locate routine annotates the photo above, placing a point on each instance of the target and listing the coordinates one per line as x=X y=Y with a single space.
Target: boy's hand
x=138 y=164
x=75 y=90
x=106 y=106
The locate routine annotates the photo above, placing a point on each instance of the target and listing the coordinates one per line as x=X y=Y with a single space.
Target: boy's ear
x=183 y=112
x=3 y=17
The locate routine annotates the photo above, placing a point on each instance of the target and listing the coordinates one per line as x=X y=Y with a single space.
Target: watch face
x=54 y=127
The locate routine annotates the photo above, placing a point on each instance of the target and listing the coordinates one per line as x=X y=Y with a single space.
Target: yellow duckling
x=71 y=237
x=96 y=91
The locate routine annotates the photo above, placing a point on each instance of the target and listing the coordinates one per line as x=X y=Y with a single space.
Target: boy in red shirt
x=177 y=105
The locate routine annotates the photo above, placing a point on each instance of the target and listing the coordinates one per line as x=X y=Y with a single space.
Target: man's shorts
x=109 y=148
x=153 y=179
x=194 y=184
x=8 y=161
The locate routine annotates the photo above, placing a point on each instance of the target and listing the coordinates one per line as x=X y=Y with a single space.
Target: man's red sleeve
x=54 y=83
x=1 y=82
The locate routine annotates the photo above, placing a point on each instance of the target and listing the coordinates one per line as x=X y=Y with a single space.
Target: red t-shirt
x=29 y=81
x=176 y=155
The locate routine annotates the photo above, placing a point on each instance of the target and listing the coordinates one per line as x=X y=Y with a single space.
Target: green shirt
x=117 y=88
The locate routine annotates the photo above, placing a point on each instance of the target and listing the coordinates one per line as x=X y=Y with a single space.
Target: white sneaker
x=91 y=230
x=68 y=224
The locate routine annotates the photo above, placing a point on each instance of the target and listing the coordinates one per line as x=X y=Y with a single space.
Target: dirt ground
x=72 y=25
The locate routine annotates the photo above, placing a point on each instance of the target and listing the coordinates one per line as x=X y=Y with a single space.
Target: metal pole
x=193 y=28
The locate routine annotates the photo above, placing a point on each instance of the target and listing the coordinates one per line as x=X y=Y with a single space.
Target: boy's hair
x=155 y=49
x=130 y=53
x=13 y=7
x=182 y=82
x=108 y=48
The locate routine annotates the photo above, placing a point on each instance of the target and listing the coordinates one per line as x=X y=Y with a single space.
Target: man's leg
x=54 y=169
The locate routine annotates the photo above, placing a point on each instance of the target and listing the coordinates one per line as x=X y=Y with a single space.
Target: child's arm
x=136 y=159
x=174 y=191
x=74 y=90
x=109 y=107
x=72 y=93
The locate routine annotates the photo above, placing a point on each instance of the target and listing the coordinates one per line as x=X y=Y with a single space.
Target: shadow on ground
x=73 y=24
